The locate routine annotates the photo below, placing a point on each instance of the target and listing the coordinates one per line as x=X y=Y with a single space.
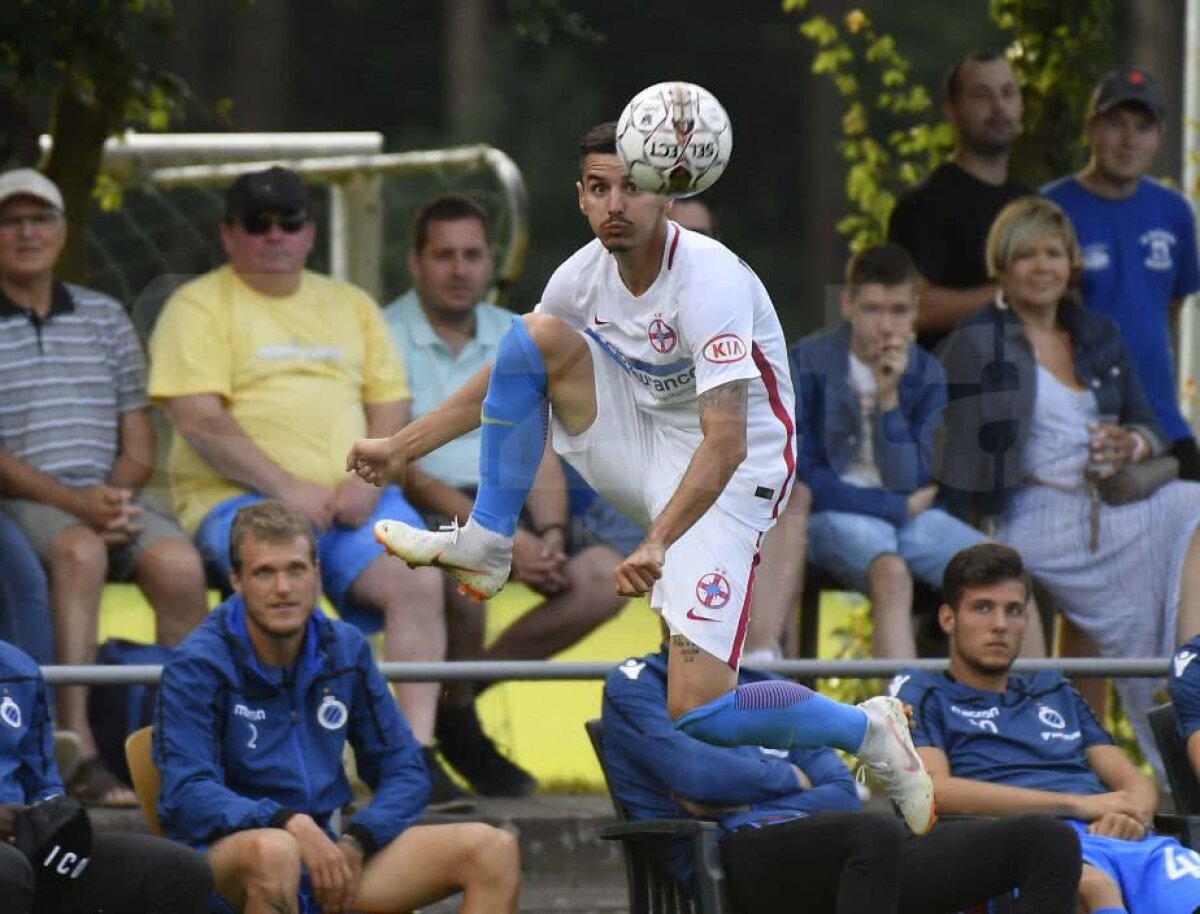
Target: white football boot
x=477 y=558
x=888 y=751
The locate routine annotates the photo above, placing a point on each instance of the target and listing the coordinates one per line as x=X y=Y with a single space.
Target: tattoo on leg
x=687 y=650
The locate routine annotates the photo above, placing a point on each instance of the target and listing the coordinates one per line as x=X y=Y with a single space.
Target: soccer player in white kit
x=665 y=368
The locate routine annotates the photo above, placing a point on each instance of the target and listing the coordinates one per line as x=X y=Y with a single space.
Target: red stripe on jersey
x=744 y=619
x=781 y=413
x=674 y=245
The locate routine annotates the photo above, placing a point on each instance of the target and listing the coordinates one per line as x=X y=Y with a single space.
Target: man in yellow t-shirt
x=268 y=373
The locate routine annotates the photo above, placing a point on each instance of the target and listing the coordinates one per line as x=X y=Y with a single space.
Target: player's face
x=986 y=115
x=880 y=316
x=694 y=216
x=1037 y=276
x=1124 y=142
x=987 y=627
x=278 y=582
x=268 y=243
x=452 y=271
x=32 y=235
x=621 y=215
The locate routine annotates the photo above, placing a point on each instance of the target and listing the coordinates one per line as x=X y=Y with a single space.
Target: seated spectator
x=1044 y=403
x=445 y=333
x=76 y=448
x=25 y=619
x=695 y=214
x=1184 y=684
x=120 y=872
x=1002 y=744
x=252 y=720
x=868 y=400
x=792 y=827
x=267 y=370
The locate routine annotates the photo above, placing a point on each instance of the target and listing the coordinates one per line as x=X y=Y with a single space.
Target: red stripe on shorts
x=781 y=413
x=744 y=619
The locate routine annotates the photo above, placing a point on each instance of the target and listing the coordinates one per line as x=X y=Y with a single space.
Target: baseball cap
x=274 y=188
x=1128 y=84
x=28 y=182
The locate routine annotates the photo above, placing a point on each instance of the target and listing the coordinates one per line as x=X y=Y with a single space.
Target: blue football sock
x=778 y=715
x=1111 y=911
x=514 y=431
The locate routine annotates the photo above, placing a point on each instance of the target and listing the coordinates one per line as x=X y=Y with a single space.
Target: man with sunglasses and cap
x=77 y=447
x=268 y=371
x=1138 y=239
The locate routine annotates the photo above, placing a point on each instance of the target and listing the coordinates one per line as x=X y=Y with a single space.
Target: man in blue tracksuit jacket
x=120 y=872
x=793 y=834
x=252 y=720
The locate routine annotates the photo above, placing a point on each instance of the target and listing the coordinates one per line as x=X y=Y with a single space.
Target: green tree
x=86 y=57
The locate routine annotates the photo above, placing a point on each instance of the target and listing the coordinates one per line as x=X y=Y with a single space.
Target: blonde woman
x=1044 y=403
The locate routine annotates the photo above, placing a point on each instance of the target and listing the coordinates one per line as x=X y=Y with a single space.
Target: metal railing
x=554 y=670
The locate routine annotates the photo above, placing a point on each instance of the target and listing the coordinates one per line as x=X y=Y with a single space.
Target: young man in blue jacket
x=1002 y=744
x=252 y=720
x=792 y=826
x=868 y=401
x=117 y=872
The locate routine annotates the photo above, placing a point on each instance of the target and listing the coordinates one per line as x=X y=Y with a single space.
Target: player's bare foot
x=477 y=558
x=888 y=751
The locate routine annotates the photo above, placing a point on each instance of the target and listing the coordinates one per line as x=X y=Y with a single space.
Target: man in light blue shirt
x=445 y=333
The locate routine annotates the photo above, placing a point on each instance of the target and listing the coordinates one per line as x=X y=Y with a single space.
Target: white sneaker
x=888 y=751
x=477 y=558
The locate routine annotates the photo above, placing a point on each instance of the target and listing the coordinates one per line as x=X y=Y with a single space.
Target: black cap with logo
x=1128 y=85
x=274 y=189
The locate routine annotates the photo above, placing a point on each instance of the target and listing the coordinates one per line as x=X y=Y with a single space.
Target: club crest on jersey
x=662 y=335
x=713 y=590
x=10 y=712
x=332 y=714
x=1050 y=717
x=725 y=348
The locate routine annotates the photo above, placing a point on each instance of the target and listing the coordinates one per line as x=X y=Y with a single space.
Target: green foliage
x=890 y=137
x=1059 y=50
x=539 y=20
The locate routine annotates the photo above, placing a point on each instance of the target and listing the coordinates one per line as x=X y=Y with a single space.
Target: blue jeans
x=845 y=544
x=24 y=596
x=344 y=552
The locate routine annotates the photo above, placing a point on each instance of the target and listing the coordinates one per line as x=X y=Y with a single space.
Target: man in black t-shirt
x=943 y=222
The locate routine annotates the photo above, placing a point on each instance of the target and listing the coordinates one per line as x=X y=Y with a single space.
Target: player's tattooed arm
x=722 y=450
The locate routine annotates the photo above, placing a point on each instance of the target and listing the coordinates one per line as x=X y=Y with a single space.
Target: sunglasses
x=261 y=223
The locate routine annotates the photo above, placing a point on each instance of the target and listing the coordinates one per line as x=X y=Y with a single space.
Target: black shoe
x=444 y=794
x=473 y=754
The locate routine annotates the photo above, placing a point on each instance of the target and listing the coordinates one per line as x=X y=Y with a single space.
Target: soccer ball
x=674 y=139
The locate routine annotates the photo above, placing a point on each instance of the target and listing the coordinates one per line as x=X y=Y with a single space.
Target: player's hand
x=354 y=859
x=378 y=461
x=317 y=502
x=98 y=506
x=921 y=500
x=332 y=878
x=1110 y=448
x=802 y=779
x=537 y=564
x=123 y=529
x=1096 y=806
x=354 y=501
x=641 y=568
x=1118 y=825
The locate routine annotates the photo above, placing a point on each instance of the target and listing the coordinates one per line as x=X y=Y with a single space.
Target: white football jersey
x=705 y=321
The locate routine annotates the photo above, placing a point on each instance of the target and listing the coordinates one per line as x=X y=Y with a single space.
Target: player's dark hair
x=981 y=566
x=447 y=208
x=952 y=81
x=881 y=264
x=269 y=521
x=600 y=140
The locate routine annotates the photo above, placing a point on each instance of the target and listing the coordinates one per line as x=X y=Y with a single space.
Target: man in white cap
x=76 y=447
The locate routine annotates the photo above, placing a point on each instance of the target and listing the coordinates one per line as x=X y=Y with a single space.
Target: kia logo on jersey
x=724 y=349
